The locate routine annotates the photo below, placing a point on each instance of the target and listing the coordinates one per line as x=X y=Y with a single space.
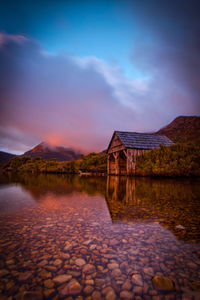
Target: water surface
x=111 y=236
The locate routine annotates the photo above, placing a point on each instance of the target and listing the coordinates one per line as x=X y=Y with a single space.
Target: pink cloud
x=17 y=38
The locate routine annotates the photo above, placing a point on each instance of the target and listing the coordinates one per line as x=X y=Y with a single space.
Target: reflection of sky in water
x=14 y=198
x=172 y=203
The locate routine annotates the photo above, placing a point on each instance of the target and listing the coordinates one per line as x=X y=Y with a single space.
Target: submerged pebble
x=68 y=247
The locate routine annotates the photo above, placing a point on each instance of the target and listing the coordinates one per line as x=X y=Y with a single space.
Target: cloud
x=48 y=96
x=78 y=102
x=15 y=141
x=168 y=50
x=6 y=38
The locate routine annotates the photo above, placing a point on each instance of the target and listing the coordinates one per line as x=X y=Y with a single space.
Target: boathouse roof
x=142 y=140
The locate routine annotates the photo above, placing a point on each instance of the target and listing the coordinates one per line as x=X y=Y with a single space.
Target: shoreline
x=104 y=174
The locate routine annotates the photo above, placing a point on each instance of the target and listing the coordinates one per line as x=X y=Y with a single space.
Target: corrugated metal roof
x=142 y=140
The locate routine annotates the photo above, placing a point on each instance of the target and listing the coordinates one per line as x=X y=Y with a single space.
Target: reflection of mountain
x=169 y=202
x=43 y=184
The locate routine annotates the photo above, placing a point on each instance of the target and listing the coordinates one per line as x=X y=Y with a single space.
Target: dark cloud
x=168 y=50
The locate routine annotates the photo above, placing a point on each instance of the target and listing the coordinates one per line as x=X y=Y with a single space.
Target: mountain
x=47 y=152
x=183 y=129
x=5 y=157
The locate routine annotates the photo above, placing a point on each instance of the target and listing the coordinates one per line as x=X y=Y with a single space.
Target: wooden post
x=108 y=164
x=116 y=156
x=117 y=164
x=129 y=162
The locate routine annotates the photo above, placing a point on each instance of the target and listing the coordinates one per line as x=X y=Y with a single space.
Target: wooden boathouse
x=124 y=148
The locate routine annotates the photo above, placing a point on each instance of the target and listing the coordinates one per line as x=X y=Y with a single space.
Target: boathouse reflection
x=170 y=202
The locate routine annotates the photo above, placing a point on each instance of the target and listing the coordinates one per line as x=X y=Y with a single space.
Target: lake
x=77 y=237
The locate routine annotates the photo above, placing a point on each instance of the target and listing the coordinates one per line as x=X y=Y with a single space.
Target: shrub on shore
x=176 y=160
x=92 y=162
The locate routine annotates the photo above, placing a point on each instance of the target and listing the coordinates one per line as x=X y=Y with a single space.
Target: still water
x=72 y=237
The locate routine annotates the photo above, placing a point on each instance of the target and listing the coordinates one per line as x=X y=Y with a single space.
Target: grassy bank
x=176 y=160
x=173 y=161
x=90 y=163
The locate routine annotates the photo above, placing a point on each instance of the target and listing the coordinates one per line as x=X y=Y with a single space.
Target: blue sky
x=104 y=29
x=93 y=67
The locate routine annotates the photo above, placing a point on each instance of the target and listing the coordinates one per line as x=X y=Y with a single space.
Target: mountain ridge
x=182 y=129
x=46 y=151
x=6 y=157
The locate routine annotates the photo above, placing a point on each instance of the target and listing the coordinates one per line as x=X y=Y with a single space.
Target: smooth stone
x=87 y=242
x=111 y=295
x=10 y=285
x=116 y=273
x=89 y=269
x=106 y=290
x=127 y=285
x=68 y=247
x=65 y=255
x=51 y=268
x=48 y=283
x=114 y=242
x=92 y=247
x=149 y=271
x=31 y=295
x=138 y=290
x=75 y=273
x=196 y=285
x=126 y=295
x=137 y=279
x=45 y=274
x=89 y=282
x=10 y=262
x=43 y=263
x=72 y=288
x=163 y=283
x=80 y=262
x=192 y=265
x=113 y=266
x=57 y=262
x=96 y=295
x=88 y=289
x=180 y=227
x=49 y=292
x=25 y=276
x=3 y=272
x=62 y=278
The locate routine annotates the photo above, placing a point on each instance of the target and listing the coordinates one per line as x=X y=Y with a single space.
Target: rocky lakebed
x=61 y=241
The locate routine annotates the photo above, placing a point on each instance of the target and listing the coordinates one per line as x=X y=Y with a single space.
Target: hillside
x=48 y=152
x=5 y=157
x=183 y=129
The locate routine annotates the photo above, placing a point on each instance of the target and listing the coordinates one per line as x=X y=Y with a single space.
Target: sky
x=72 y=72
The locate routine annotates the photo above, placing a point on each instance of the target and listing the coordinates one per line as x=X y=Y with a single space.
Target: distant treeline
x=92 y=162
x=176 y=160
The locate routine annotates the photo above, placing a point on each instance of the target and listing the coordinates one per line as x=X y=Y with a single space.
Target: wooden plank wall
x=116 y=145
x=123 y=162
